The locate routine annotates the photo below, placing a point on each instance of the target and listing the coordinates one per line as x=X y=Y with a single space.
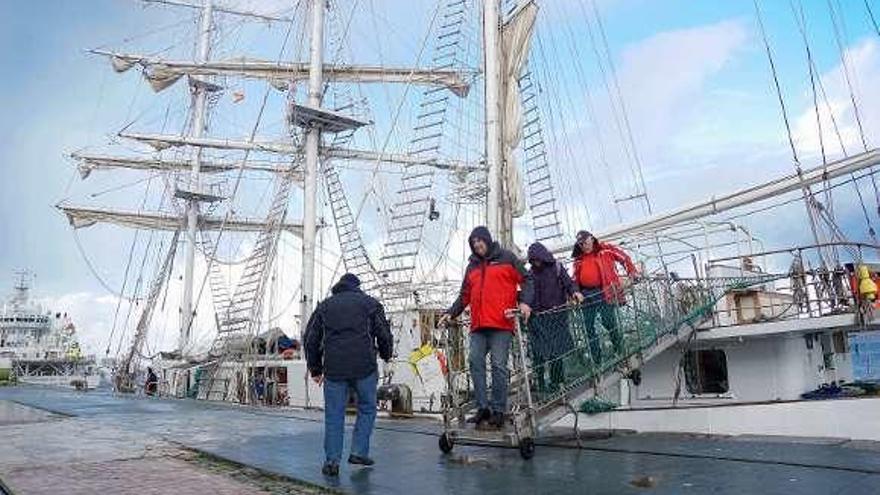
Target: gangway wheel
x=446 y=443
x=527 y=448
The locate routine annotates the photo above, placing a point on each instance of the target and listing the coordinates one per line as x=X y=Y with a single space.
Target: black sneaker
x=330 y=469
x=497 y=420
x=481 y=416
x=360 y=459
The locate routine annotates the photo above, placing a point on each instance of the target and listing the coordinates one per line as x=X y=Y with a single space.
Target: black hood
x=539 y=252
x=483 y=234
x=347 y=283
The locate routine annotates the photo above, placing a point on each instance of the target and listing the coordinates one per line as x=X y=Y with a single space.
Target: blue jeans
x=335 y=399
x=497 y=344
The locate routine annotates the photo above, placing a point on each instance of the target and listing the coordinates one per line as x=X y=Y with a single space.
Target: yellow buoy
x=867 y=287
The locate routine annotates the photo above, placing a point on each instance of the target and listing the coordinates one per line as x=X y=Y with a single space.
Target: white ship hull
x=845 y=418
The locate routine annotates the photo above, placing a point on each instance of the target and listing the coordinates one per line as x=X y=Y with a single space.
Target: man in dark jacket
x=549 y=336
x=342 y=338
x=152 y=383
x=490 y=288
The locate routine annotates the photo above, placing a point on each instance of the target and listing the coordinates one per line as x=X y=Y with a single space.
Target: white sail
x=516 y=36
x=81 y=217
x=165 y=141
x=163 y=73
x=88 y=163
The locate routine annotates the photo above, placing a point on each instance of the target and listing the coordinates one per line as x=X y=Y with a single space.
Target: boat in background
x=40 y=346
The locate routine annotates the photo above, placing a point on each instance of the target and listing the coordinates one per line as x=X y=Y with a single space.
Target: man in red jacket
x=595 y=275
x=490 y=288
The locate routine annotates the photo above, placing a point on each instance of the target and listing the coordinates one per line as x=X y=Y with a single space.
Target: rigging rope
x=391 y=133
x=801 y=21
x=611 y=100
x=839 y=27
x=125 y=274
x=625 y=114
x=809 y=201
x=871 y=17
x=238 y=180
x=870 y=229
x=837 y=24
x=554 y=109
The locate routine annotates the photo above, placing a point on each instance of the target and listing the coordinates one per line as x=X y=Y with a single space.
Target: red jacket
x=490 y=288
x=600 y=265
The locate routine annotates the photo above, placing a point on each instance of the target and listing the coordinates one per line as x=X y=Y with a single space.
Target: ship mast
x=492 y=66
x=236 y=316
x=313 y=137
x=200 y=111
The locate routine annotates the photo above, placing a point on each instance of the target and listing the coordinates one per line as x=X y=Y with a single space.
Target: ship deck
x=42 y=430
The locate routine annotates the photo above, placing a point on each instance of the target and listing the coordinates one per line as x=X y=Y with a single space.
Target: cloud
x=706 y=122
x=863 y=62
x=663 y=79
x=661 y=74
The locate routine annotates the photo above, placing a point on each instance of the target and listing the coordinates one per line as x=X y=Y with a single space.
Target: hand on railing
x=444 y=320
x=525 y=310
x=511 y=313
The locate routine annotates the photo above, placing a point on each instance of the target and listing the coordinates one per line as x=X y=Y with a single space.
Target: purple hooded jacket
x=552 y=284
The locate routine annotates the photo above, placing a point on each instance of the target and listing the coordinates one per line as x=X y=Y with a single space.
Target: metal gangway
x=588 y=347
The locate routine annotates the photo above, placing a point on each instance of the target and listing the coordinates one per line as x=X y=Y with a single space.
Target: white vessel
x=39 y=345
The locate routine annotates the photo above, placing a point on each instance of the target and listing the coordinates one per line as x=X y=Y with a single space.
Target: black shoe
x=482 y=415
x=497 y=420
x=330 y=469
x=360 y=459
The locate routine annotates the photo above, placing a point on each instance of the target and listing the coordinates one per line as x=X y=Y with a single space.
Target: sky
x=693 y=78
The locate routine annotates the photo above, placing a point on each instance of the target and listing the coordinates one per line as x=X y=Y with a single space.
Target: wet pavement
x=288 y=442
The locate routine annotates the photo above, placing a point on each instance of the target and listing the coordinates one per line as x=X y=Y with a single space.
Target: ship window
x=706 y=372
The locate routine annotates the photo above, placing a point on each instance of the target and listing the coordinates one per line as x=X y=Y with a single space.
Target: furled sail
x=160 y=142
x=88 y=163
x=81 y=217
x=163 y=73
x=516 y=36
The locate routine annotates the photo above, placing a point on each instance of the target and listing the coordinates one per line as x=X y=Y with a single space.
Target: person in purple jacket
x=549 y=335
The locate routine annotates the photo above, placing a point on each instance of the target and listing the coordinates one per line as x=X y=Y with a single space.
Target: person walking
x=343 y=336
x=495 y=283
x=595 y=275
x=151 y=385
x=549 y=335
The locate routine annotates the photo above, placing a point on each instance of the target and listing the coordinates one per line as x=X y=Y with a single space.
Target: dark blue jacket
x=552 y=285
x=345 y=333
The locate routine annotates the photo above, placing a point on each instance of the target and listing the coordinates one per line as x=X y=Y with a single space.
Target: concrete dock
x=54 y=441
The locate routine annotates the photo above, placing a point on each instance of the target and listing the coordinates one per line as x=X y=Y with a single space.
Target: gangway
x=658 y=313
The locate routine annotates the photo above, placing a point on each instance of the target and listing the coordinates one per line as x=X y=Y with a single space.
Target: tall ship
x=247 y=223
x=40 y=346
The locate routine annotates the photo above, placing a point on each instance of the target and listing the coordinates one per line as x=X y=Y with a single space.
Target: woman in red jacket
x=595 y=275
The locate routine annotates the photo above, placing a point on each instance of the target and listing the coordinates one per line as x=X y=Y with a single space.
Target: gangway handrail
x=797 y=248
x=669 y=330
